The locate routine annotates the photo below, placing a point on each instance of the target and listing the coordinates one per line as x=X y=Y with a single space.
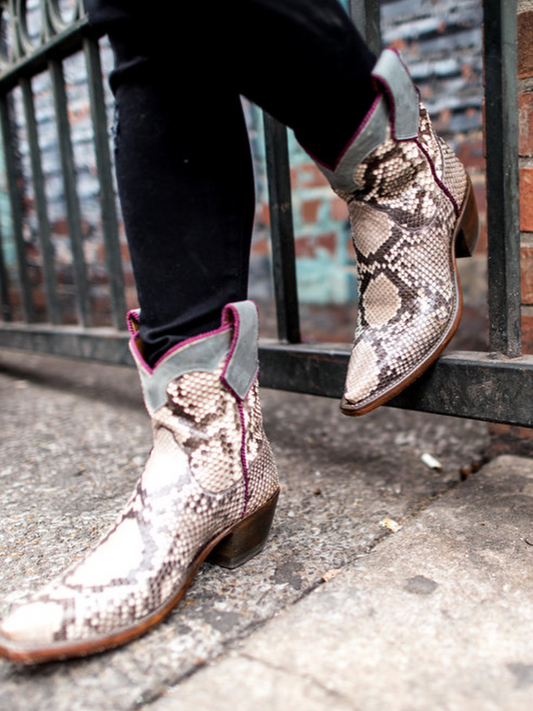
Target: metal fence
x=495 y=386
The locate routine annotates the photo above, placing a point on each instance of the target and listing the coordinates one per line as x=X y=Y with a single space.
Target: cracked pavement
x=338 y=611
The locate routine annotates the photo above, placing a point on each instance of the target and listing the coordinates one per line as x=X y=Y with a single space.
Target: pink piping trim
x=175 y=348
x=132 y=318
x=243 y=457
x=437 y=179
x=352 y=139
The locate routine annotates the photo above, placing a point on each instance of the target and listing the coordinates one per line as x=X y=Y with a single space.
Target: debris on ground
x=391 y=524
x=431 y=462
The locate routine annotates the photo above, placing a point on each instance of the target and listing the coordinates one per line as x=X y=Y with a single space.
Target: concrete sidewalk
x=338 y=612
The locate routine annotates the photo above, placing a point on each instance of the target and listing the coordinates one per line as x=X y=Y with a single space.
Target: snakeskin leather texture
x=403 y=222
x=210 y=466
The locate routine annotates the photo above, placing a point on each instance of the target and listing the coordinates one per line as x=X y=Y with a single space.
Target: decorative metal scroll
x=29 y=25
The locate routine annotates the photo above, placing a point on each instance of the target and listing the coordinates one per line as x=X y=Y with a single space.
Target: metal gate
x=495 y=386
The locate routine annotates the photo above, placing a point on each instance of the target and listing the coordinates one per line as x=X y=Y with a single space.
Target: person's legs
x=304 y=62
x=183 y=169
x=182 y=158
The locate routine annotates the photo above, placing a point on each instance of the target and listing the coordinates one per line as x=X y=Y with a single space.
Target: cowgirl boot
x=208 y=490
x=412 y=211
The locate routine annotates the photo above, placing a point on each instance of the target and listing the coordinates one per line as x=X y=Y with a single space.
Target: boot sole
x=231 y=548
x=463 y=244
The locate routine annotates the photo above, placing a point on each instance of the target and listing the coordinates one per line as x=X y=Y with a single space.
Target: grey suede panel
x=243 y=363
x=393 y=73
x=402 y=92
x=370 y=137
x=206 y=354
x=203 y=355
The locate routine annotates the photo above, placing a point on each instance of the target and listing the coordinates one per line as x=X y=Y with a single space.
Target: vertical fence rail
x=13 y=179
x=367 y=19
x=4 y=285
x=71 y=194
x=105 y=178
x=282 y=231
x=501 y=125
x=44 y=233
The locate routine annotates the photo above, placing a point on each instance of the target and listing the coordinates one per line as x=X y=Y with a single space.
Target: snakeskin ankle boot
x=412 y=211
x=208 y=490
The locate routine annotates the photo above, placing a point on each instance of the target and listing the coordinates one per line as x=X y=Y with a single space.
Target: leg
x=310 y=68
x=185 y=179
x=190 y=255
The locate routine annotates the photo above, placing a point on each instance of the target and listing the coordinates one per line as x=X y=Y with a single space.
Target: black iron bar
x=70 y=187
x=105 y=179
x=58 y=47
x=501 y=126
x=47 y=249
x=15 y=201
x=5 y=303
x=462 y=383
x=282 y=231
x=367 y=19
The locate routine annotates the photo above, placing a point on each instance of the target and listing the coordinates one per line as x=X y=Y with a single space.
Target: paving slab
x=73 y=439
x=437 y=616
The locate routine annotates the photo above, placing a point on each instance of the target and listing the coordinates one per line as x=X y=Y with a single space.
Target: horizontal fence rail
x=495 y=386
x=461 y=383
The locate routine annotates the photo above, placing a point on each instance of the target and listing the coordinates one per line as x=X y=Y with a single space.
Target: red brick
x=338 y=209
x=60 y=227
x=467 y=72
x=481 y=201
x=79 y=114
x=526 y=269
x=39 y=300
x=261 y=247
x=471 y=154
x=398 y=44
x=100 y=252
x=525 y=123
x=131 y=299
x=309 y=210
x=262 y=214
x=527 y=333
x=526 y=199
x=442 y=121
x=525 y=44
x=125 y=252
x=307 y=175
x=307 y=246
x=128 y=278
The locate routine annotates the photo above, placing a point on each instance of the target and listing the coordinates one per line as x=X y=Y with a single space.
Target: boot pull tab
x=133 y=319
x=402 y=95
x=242 y=364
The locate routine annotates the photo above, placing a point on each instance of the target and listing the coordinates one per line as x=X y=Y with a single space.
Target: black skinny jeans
x=183 y=161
